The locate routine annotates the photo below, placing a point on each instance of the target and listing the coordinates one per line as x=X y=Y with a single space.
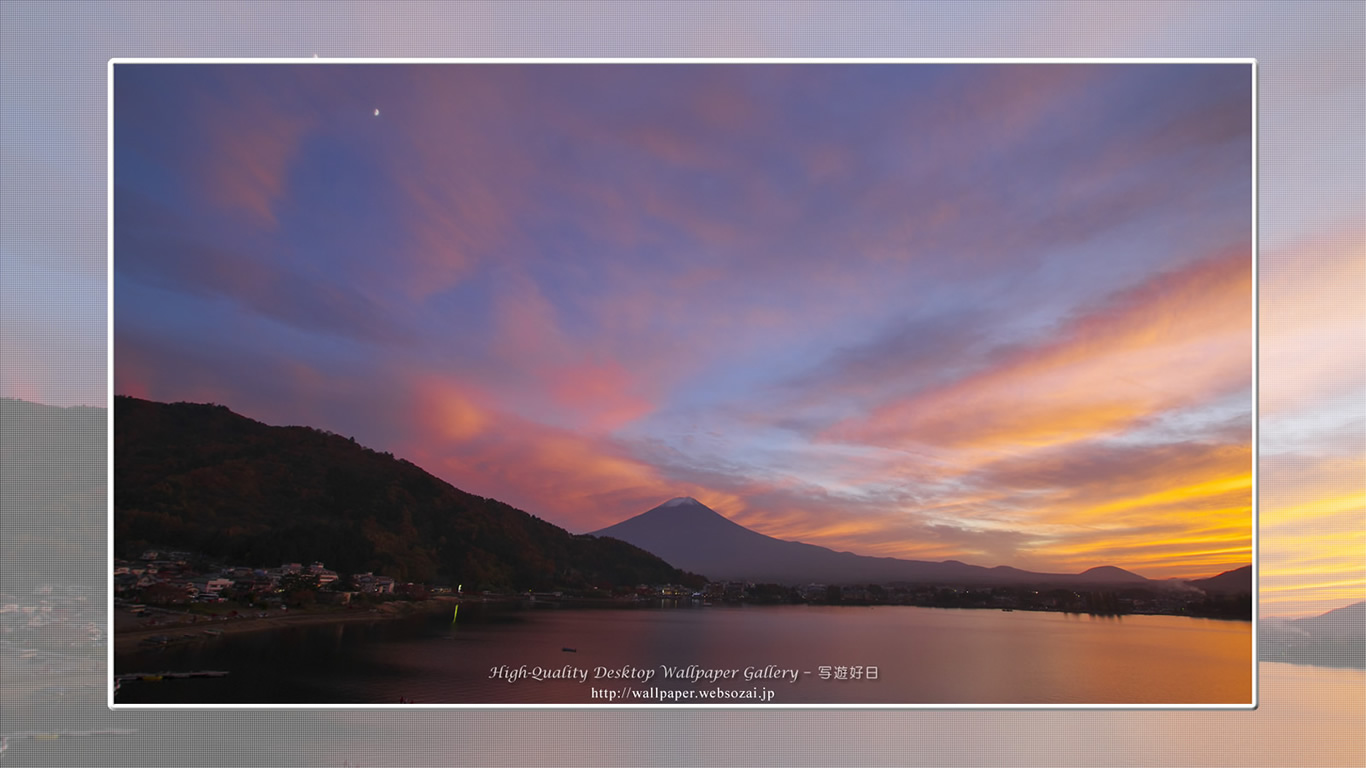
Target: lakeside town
x=163 y=589
x=54 y=638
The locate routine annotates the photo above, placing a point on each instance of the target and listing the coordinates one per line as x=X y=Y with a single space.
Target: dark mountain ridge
x=1235 y=582
x=53 y=505
x=205 y=479
x=690 y=535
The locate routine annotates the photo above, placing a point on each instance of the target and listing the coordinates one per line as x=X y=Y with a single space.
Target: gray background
x=53 y=309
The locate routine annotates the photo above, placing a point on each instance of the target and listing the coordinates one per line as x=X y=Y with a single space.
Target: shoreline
x=128 y=641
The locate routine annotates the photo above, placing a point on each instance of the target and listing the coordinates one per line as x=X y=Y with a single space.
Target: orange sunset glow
x=987 y=313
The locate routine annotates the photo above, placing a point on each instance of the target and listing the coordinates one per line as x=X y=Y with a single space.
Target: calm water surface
x=922 y=656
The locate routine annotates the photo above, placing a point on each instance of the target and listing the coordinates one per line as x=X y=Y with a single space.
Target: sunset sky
x=997 y=313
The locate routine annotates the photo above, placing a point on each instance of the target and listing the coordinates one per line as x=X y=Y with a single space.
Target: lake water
x=921 y=656
x=1308 y=716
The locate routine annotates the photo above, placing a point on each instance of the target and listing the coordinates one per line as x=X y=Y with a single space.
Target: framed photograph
x=683 y=383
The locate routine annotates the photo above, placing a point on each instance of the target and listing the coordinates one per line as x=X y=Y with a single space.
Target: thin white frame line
x=317 y=60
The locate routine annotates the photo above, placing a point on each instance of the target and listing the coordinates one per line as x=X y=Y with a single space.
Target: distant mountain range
x=693 y=537
x=1334 y=639
x=1235 y=582
x=53 y=505
x=204 y=479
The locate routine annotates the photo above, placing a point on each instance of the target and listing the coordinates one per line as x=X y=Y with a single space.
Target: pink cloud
x=603 y=391
x=248 y=171
x=576 y=480
x=1313 y=326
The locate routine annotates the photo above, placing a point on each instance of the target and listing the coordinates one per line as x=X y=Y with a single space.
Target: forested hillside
x=202 y=478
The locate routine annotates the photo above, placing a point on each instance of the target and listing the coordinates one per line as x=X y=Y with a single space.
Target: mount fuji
x=689 y=535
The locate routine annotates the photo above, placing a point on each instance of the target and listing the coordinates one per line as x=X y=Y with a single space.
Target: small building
x=329 y=597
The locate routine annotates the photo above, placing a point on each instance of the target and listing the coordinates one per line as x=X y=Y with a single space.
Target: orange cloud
x=1176 y=340
x=445 y=411
x=1163 y=510
x=1194 y=498
x=1312 y=538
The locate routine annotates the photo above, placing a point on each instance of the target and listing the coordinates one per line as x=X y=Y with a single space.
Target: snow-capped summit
x=689 y=535
x=680 y=501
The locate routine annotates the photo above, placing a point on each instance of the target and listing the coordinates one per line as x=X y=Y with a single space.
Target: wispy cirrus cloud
x=172 y=258
x=1176 y=339
x=886 y=309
